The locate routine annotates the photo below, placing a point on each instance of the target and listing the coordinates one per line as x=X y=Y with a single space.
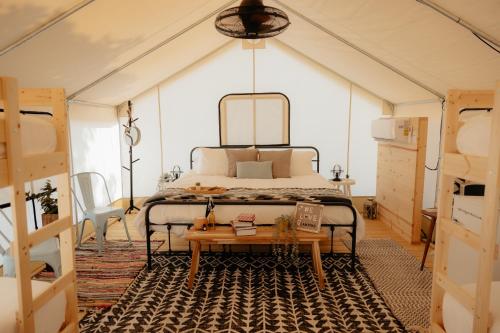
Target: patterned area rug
x=248 y=294
x=396 y=275
x=102 y=280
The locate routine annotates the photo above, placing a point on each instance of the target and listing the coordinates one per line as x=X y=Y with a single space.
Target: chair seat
x=47 y=252
x=49 y=246
x=105 y=212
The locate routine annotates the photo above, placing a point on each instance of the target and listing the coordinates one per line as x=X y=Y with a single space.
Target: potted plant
x=49 y=204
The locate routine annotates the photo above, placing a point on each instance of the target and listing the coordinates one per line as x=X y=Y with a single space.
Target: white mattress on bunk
x=38 y=135
x=458 y=319
x=265 y=214
x=49 y=318
x=473 y=138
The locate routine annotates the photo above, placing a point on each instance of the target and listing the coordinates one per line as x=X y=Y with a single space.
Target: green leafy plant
x=49 y=204
x=285 y=228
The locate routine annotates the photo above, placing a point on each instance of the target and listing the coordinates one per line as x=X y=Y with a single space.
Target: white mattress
x=473 y=138
x=458 y=319
x=265 y=214
x=48 y=319
x=38 y=135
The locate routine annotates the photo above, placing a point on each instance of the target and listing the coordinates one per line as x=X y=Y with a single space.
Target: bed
x=169 y=211
x=49 y=318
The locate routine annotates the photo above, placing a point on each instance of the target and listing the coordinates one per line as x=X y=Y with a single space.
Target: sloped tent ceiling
x=104 y=35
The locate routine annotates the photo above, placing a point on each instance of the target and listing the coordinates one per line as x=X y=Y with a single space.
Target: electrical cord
x=440 y=138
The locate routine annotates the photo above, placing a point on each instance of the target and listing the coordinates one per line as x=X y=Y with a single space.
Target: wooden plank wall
x=400 y=181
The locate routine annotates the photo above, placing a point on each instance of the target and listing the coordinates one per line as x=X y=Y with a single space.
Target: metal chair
x=47 y=252
x=99 y=215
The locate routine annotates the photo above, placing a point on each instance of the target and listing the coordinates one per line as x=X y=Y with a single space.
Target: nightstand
x=344 y=185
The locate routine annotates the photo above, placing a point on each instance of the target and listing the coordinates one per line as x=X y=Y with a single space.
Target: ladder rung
x=48 y=231
x=436 y=328
x=44 y=165
x=55 y=288
x=465 y=235
x=456 y=291
x=462 y=233
x=468 y=167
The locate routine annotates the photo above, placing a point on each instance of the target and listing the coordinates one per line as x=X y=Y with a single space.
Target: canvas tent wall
x=103 y=36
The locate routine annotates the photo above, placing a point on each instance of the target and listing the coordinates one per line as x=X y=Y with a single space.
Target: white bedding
x=163 y=214
x=458 y=319
x=38 y=135
x=48 y=319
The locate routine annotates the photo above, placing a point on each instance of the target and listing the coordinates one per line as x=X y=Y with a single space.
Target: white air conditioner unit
x=384 y=129
x=390 y=128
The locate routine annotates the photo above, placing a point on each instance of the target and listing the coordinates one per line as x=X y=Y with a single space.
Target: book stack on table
x=244 y=225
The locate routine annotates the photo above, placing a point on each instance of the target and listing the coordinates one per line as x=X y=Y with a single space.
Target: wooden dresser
x=400 y=179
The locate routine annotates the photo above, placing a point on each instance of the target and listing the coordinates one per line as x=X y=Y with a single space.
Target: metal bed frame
x=315 y=160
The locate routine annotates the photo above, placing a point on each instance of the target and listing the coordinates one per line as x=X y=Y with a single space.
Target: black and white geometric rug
x=240 y=293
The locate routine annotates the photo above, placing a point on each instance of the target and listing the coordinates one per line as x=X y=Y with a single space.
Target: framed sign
x=308 y=216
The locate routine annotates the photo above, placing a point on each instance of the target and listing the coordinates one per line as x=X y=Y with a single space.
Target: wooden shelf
x=473 y=168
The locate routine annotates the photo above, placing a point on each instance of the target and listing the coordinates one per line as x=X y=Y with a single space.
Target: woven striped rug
x=396 y=275
x=102 y=279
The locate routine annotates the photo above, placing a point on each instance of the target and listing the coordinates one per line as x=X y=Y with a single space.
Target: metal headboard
x=315 y=160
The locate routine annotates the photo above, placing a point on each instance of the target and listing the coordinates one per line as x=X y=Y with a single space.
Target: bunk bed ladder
x=484 y=170
x=23 y=169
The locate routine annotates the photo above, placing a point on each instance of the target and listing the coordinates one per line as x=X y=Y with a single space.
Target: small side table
x=431 y=214
x=344 y=185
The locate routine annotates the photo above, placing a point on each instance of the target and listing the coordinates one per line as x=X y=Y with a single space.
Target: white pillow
x=301 y=163
x=212 y=162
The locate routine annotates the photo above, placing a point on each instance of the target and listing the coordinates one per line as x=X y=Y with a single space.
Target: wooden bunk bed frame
x=483 y=170
x=15 y=170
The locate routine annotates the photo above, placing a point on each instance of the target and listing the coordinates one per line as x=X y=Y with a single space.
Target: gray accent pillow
x=239 y=155
x=281 y=161
x=254 y=170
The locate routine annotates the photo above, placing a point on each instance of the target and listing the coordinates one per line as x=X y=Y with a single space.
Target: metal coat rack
x=130 y=169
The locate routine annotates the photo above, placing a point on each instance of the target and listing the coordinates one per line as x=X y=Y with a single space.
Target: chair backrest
x=85 y=187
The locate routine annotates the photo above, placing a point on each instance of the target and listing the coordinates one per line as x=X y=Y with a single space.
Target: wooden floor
x=375 y=229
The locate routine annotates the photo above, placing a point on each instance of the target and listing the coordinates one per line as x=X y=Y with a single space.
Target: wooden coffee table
x=265 y=235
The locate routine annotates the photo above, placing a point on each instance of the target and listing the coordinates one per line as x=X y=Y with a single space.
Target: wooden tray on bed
x=206 y=190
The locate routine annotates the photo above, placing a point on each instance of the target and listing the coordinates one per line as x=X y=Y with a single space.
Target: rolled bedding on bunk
x=458 y=319
x=49 y=318
x=473 y=138
x=38 y=135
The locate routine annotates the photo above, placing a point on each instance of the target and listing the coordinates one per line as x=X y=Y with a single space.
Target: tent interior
x=364 y=90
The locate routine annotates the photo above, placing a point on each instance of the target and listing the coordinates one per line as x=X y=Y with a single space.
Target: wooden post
x=489 y=225
x=20 y=247
x=66 y=239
